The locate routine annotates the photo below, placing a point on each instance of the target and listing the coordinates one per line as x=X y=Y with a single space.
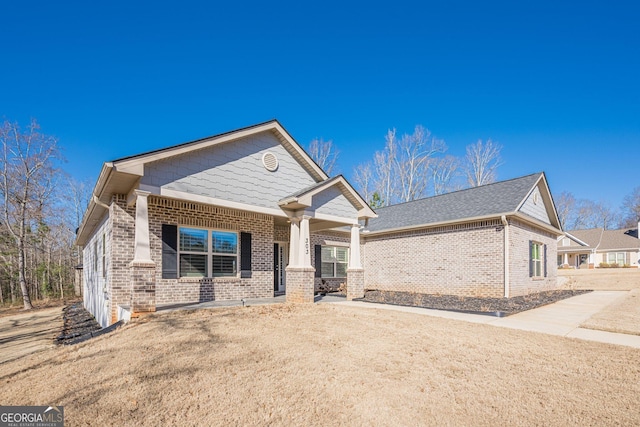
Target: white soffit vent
x=270 y=161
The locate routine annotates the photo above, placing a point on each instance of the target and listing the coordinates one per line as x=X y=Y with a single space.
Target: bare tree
x=384 y=162
x=565 y=206
x=324 y=154
x=79 y=196
x=363 y=177
x=412 y=162
x=443 y=172
x=631 y=208
x=482 y=161
x=591 y=214
x=404 y=169
x=26 y=171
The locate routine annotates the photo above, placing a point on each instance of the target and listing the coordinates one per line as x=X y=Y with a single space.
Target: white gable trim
x=572 y=237
x=545 y=192
x=304 y=200
x=135 y=165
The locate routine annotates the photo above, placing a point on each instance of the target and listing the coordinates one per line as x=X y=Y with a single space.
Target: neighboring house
x=596 y=247
x=249 y=214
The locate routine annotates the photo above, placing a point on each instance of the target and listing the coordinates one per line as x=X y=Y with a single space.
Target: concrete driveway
x=28 y=332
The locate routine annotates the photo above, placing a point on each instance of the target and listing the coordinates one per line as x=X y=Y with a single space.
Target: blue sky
x=556 y=83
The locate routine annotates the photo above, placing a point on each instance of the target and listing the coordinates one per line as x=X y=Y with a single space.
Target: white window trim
x=209 y=252
x=346 y=263
x=538 y=263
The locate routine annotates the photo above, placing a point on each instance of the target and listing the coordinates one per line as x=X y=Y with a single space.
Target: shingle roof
x=590 y=236
x=487 y=200
x=608 y=240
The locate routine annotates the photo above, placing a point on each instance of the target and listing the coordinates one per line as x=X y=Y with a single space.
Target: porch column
x=304 y=248
x=142 y=269
x=294 y=241
x=566 y=259
x=355 y=272
x=300 y=273
x=142 y=248
x=354 y=248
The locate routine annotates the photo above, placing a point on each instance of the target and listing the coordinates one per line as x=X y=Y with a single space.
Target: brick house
x=248 y=214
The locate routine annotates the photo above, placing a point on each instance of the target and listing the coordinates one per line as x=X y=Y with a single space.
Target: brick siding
x=519 y=236
x=462 y=260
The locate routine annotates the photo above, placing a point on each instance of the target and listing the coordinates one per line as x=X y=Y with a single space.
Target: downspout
x=505 y=223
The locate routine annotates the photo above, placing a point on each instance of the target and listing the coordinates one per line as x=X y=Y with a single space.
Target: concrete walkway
x=562 y=318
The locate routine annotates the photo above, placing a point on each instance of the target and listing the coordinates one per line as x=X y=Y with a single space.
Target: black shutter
x=531 y=258
x=318 y=260
x=169 y=251
x=245 y=255
x=545 y=260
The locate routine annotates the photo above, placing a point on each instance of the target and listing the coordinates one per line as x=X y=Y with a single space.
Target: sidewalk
x=562 y=318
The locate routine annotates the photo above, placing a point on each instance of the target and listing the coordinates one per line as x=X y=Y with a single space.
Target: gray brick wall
x=461 y=260
x=519 y=236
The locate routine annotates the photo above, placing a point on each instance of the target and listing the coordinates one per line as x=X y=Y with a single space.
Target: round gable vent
x=270 y=161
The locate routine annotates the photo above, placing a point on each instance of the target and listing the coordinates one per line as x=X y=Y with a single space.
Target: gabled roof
x=122 y=175
x=575 y=241
x=609 y=240
x=302 y=198
x=477 y=203
x=591 y=237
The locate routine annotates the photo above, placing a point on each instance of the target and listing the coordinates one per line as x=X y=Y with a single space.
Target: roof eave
x=90 y=213
x=438 y=224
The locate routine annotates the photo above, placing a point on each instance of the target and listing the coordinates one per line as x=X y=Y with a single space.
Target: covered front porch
x=576 y=259
x=330 y=206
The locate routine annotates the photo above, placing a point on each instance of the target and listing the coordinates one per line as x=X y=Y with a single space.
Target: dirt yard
x=622 y=316
x=327 y=365
x=26 y=332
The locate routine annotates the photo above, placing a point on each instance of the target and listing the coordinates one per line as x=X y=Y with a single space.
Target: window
x=616 y=258
x=536 y=259
x=334 y=261
x=207 y=253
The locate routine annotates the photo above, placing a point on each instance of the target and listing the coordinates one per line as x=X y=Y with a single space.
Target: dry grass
x=622 y=316
x=328 y=365
x=601 y=279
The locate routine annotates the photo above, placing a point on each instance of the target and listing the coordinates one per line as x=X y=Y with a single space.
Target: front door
x=280 y=261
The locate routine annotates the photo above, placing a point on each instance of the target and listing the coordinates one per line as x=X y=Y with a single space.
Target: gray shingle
x=491 y=199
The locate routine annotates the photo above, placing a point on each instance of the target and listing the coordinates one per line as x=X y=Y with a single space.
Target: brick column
x=143 y=287
x=355 y=283
x=300 y=286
